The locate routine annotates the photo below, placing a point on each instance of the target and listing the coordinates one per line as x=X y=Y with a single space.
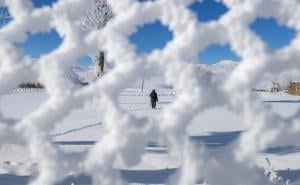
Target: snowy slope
x=218 y=71
x=215 y=128
x=81 y=126
x=223 y=69
x=224 y=66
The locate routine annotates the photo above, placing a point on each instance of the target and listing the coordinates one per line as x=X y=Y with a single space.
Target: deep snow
x=216 y=128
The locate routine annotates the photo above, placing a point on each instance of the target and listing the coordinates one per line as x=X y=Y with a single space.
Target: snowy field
x=216 y=129
x=209 y=127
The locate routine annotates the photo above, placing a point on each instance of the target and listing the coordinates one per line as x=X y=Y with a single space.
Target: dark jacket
x=153 y=96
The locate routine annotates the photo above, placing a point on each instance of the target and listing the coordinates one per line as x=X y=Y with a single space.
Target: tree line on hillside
x=32 y=85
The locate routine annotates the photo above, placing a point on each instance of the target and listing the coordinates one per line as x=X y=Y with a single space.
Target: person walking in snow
x=153 y=98
x=101 y=63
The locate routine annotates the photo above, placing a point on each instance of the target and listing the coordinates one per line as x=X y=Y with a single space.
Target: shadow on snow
x=292 y=175
x=282 y=150
x=213 y=141
x=144 y=177
x=283 y=101
x=216 y=139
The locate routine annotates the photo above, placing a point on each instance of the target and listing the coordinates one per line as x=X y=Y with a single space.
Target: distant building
x=294 y=88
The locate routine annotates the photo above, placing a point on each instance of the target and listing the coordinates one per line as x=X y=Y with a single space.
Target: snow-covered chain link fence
x=125 y=134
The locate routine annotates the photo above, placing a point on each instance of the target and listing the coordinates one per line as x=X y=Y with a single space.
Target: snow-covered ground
x=216 y=128
x=235 y=153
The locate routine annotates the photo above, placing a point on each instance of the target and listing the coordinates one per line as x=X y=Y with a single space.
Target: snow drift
x=125 y=135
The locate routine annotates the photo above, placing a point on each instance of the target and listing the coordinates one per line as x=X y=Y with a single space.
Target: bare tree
x=96 y=18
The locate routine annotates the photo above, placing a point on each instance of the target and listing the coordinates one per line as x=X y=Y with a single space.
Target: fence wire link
x=124 y=134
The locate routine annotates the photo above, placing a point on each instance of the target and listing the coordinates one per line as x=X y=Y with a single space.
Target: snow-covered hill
x=224 y=66
x=220 y=71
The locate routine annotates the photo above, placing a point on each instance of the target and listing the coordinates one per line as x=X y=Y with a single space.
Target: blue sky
x=156 y=35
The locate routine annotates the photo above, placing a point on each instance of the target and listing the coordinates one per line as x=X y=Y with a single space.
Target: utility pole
x=143 y=85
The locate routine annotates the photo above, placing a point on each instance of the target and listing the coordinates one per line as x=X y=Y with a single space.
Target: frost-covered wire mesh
x=125 y=134
x=97 y=16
